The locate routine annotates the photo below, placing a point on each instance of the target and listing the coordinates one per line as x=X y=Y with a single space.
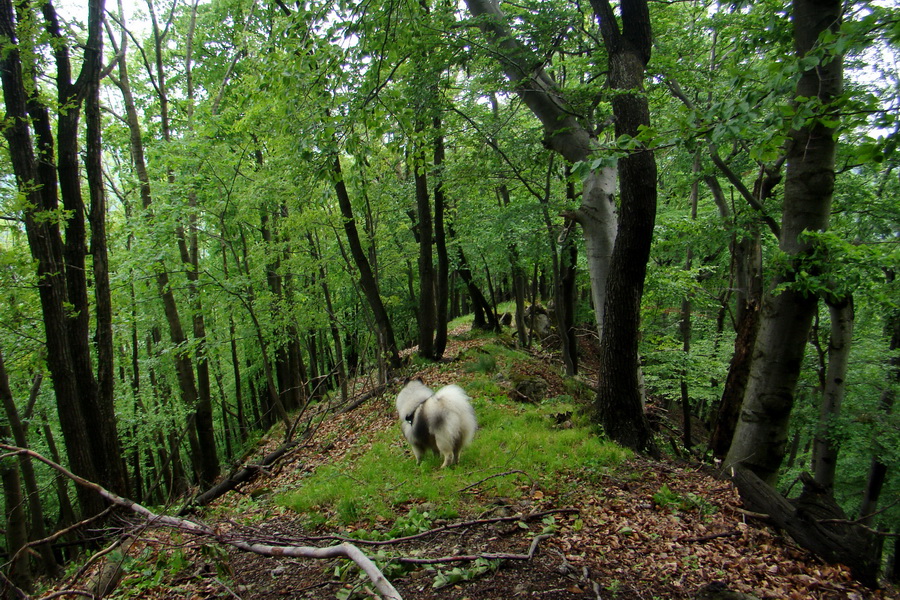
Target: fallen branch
x=376 y=391
x=706 y=538
x=473 y=557
x=470 y=486
x=248 y=473
x=436 y=530
x=345 y=549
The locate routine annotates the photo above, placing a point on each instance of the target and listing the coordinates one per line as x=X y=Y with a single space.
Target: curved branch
x=346 y=550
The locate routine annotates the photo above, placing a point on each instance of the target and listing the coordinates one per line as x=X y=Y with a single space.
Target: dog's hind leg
x=449 y=451
x=419 y=452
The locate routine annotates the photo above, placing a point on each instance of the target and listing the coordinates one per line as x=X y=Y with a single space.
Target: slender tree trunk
x=66 y=515
x=442 y=283
x=425 y=308
x=685 y=324
x=32 y=492
x=760 y=439
x=16 y=533
x=879 y=465
x=484 y=316
x=564 y=262
x=333 y=324
x=825 y=446
x=368 y=283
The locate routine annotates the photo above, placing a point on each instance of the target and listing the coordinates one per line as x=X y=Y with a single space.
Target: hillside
x=602 y=524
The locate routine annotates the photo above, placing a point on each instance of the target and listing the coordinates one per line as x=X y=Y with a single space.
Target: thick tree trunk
x=761 y=436
x=564 y=134
x=109 y=451
x=816 y=522
x=619 y=400
x=729 y=410
x=47 y=249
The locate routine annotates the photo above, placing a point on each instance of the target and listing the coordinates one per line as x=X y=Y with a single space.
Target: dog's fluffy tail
x=454 y=401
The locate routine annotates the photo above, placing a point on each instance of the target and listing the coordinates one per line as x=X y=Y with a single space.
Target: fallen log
x=816 y=522
x=247 y=473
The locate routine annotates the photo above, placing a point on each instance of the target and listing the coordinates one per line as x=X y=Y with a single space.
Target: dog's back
x=443 y=421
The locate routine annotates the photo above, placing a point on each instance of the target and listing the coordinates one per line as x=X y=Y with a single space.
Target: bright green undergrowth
x=520 y=445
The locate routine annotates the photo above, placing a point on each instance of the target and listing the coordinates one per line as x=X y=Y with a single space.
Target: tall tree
x=619 y=402
x=760 y=439
x=564 y=133
x=386 y=342
x=203 y=455
x=62 y=275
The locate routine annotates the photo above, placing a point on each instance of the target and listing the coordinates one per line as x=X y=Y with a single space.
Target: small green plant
x=477 y=569
x=666 y=498
x=484 y=364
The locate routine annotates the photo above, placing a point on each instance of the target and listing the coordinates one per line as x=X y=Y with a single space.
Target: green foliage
x=666 y=499
x=479 y=568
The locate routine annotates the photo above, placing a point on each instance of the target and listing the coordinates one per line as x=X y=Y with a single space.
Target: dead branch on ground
x=345 y=549
x=473 y=557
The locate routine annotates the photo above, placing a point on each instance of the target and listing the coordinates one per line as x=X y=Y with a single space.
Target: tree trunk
x=825 y=447
x=367 y=280
x=111 y=452
x=685 y=323
x=484 y=316
x=760 y=439
x=564 y=134
x=816 y=522
x=565 y=261
x=36 y=178
x=16 y=526
x=32 y=492
x=340 y=364
x=619 y=399
x=66 y=515
x=425 y=308
x=729 y=410
x=442 y=281
x=878 y=467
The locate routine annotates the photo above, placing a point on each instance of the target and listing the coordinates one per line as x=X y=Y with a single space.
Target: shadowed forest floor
x=642 y=530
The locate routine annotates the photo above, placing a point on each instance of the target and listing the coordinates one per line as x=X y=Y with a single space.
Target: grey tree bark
x=564 y=134
x=825 y=447
x=760 y=439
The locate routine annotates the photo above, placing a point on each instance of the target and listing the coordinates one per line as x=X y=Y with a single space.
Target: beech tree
x=760 y=440
x=616 y=302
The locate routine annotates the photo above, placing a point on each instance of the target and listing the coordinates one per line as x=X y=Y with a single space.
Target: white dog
x=443 y=422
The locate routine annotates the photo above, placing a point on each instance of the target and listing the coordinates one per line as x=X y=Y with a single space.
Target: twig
x=706 y=538
x=61 y=593
x=345 y=549
x=450 y=527
x=496 y=475
x=58 y=534
x=473 y=557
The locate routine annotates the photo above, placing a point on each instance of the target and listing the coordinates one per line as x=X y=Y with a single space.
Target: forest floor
x=645 y=530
